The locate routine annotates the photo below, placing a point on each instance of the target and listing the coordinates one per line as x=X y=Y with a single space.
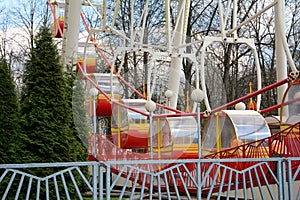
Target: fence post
x=290 y=179
x=101 y=178
x=199 y=191
x=94 y=174
x=197 y=97
x=108 y=182
x=281 y=171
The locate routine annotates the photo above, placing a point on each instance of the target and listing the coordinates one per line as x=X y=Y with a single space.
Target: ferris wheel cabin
x=110 y=86
x=130 y=129
x=87 y=60
x=230 y=128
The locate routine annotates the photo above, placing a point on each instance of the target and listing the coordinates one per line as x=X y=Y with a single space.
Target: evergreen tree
x=9 y=126
x=47 y=123
x=10 y=145
x=44 y=105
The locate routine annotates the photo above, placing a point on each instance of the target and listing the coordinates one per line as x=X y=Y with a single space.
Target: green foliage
x=44 y=105
x=47 y=122
x=9 y=126
x=8 y=115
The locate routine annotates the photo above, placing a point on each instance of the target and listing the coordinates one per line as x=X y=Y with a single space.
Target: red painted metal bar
x=270 y=109
x=105 y=58
x=130 y=86
x=279 y=105
x=106 y=95
x=170 y=109
x=182 y=114
x=287 y=142
x=130 y=108
x=55 y=18
x=123 y=105
x=272 y=86
x=92 y=82
x=141 y=95
x=93 y=40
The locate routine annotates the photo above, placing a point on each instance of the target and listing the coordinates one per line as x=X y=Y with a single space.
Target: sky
x=8 y=3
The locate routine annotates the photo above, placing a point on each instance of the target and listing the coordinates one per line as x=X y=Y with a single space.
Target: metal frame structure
x=233 y=177
x=176 y=39
x=263 y=183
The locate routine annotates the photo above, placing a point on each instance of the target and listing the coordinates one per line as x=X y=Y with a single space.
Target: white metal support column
x=72 y=33
x=281 y=63
x=176 y=62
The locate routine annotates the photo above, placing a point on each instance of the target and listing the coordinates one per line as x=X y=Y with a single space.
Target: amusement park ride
x=143 y=129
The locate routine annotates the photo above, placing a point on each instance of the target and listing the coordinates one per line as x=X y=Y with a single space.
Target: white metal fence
x=272 y=178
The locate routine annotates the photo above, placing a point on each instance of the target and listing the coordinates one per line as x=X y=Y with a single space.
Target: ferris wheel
x=174 y=45
x=138 y=130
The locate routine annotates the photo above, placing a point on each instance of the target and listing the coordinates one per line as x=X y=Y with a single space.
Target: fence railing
x=268 y=178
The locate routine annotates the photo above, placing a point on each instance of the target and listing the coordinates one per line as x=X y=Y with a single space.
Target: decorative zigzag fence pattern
x=264 y=178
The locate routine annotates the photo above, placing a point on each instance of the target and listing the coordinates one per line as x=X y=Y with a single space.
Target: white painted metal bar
x=103 y=16
x=65 y=186
x=177 y=35
x=227 y=11
x=175 y=184
x=9 y=185
x=221 y=16
x=143 y=186
x=168 y=23
x=75 y=185
x=20 y=186
x=258 y=72
x=151 y=133
x=251 y=18
x=101 y=183
x=154 y=77
x=210 y=40
x=47 y=189
x=159 y=186
x=126 y=182
x=116 y=12
x=281 y=63
x=185 y=20
x=234 y=16
x=56 y=187
x=144 y=19
x=95 y=10
x=167 y=185
x=176 y=62
x=72 y=32
x=183 y=182
x=113 y=30
x=132 y=24
x=134 y=184
x=29 y=189
x=120 y=171
x=150 y=68
x=151 y=187
x=38 y=189
x=202 y=73
x=245 y=188
x=280 y=27
x=108 y=175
